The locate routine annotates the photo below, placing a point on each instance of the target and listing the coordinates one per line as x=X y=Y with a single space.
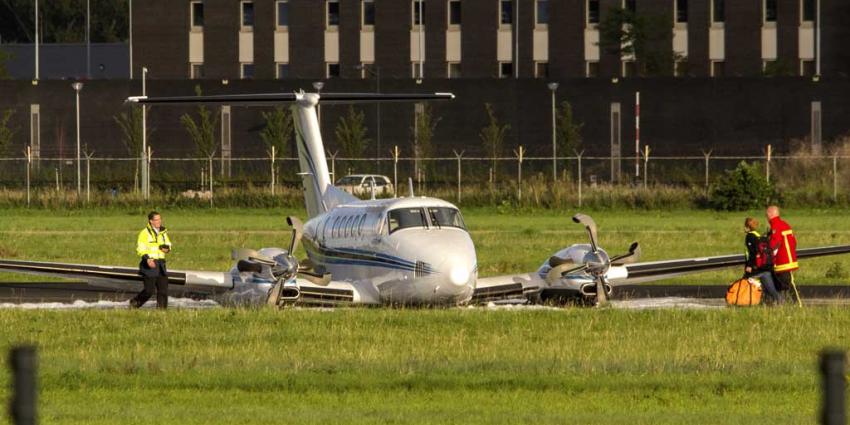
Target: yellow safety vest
x=149 y=241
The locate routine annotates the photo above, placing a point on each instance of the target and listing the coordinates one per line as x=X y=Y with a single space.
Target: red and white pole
x=637 y=134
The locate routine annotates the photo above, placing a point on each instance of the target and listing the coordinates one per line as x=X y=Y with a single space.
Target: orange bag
x=744 y=293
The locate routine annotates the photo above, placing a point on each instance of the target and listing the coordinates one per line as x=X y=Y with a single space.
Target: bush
x=743 y=188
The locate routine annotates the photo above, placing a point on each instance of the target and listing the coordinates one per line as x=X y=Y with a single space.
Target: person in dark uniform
x=758 y=264
x=152 y=245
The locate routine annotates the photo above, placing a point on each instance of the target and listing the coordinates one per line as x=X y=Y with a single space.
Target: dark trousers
x=155 y=280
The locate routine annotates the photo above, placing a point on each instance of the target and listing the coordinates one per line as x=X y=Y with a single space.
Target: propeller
x=282 y=267
x=595 y=263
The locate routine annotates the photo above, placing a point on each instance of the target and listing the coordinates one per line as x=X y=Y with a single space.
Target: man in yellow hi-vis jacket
x=152 y=245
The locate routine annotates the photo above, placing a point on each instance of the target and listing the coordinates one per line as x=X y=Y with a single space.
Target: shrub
x=743 y=188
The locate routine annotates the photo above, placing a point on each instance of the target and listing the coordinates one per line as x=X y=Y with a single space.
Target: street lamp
x=77 y=87
x=552 y=87
x=318 y=86
x=376 y=71
x=145 y=183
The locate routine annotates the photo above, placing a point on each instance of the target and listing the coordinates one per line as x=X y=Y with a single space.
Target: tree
x=278 y=131
x=423 y=132
x=351 y=133
x=202 y=132
x=743 y=188
x=63 y=21
x=568 y=133
x=131 y=123
x=647 y=38
x=7 y=132
x=493 y=136
x=4 y=59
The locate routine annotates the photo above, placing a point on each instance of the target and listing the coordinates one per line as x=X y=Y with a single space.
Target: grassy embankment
x=427 y=366
x=506 y=241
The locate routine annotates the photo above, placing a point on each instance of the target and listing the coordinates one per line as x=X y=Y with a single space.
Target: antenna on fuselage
x=410 y=186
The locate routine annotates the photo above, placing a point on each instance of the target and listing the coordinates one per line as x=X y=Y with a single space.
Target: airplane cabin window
x=446 y=217
x=403 y=218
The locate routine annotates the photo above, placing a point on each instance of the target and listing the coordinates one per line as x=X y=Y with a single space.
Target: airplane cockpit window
x=446 y=217
x=403 y=218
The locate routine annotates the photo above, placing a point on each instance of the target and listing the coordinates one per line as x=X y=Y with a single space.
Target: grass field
x=404 y=366
x=730 y=366
x=507 y=242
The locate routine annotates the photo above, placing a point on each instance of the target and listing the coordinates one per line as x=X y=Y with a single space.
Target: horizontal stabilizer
x=271 y=99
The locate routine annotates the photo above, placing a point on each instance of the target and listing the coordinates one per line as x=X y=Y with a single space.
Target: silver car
x=361 y=185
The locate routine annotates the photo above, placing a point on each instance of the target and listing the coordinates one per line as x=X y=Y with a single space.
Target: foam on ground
x=110 y=305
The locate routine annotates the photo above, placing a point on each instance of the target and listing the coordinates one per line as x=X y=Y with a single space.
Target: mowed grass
x=506 y=242
x=731 y=366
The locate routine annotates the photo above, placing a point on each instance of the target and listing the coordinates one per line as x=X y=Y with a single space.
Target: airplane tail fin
x=320 y=195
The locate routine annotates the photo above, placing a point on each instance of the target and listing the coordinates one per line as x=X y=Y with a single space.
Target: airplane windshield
x=405 y=217
x=446 y=217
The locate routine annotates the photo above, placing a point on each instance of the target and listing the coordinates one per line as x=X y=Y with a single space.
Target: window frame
x=676 y=10
x=587 y=67
x=277 y=24
x=502 y=66
x=414 y=9
x=764 y=9
x=242 y=25
x=363 y=24
x=537 y=64
x=277 y=74
x=449 y=70
x=415 y=70
x=328 y=25
x=242 y=66
x=713 y=69
x=537 y=23
x=714 y=21
x=449 y=23
x=328 y=66
x=192 y=74
x=502 y=24
x=423 y=215
x=192 y=25
x=803 y=19
x=587 y=20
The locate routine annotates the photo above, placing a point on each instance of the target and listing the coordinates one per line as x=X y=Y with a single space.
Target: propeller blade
x=555 y=261
x=297 y=232
x=558 y=272
x=590 y=225
x=243 y=253
x=245 y=266
x=628 y=258
x=274 y=295
x=601 y=295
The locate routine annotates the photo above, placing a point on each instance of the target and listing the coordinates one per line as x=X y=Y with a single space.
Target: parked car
x=361 y=185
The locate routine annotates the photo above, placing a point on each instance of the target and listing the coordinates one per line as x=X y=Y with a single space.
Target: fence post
x=395 y=169
x=333 y=164
x=273 y=177
x=645 y=165
x=579 y=154
x=519 y=153
x=88 y=174
x=211 y=174
x=148 y=172
x=29 y=168
x=458 y=156
x=24 y=393
x=56 y=170
x=832 y=368
x=707 y=156
x=767 y=166
x=835 y=177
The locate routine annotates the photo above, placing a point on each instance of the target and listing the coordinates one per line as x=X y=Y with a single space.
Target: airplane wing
x=125 y=278
x=657 y=270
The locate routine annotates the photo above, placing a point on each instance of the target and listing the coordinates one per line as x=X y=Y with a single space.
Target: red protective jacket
x=784 y=246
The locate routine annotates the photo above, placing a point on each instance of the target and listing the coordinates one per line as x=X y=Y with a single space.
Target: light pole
x=318 y=86
x=36 y=41
x=88 y=39
x=552 y=87
x=130 y=34
x=77 y=87
x=377 y=73
x=145 y=188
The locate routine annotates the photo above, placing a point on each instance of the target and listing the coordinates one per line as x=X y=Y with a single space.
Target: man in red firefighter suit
x=784 y=246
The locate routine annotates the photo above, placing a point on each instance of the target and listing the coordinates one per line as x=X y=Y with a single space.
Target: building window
x=718 y=69
x=629 y=69
x=283 y=13
x=592 y=11
x=247 y=14
x=682 y=11
x=283 y=70
x=454 y=12
x=417 y=71
x=506 y=12
x=718 y=10
x=454 y=70
x=770 y=10
x=247 y=71
x=368 y=13
x=333 y=13
x=506 y=69
x=807 y=14
x=807 y=68
x=197 y=15
x=631 y=6
x=680 y=68
x=333 y=70
x=541 y=70
x=418 y=11
x=367 y=69
x=196 y=71
x=592 y=70
x=542 y=12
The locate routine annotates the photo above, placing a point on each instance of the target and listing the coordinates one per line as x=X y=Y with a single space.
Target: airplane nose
x=459 y=274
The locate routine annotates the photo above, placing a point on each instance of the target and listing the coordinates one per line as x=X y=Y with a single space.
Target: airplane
x=412 y=250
